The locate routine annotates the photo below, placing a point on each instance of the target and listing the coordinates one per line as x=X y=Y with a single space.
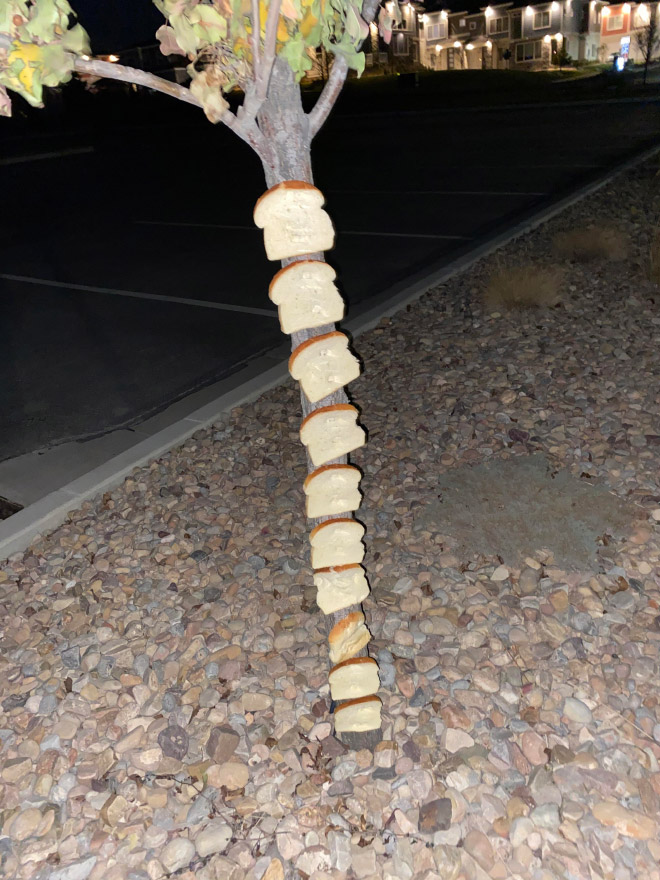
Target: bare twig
x=326 y=101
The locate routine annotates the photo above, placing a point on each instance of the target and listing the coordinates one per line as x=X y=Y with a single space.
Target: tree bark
x=286 y=127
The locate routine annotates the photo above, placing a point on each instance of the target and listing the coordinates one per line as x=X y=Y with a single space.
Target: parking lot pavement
x=132 y=273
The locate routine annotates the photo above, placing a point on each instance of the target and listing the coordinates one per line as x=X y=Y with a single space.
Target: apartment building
x=619 y=26
x=517 y=35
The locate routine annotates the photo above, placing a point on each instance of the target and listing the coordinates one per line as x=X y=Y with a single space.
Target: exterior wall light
x=489 y=45
x=606 y=11
x=470 y=47
x=457 y=44
x=529 y=10
x=626 y=8
x=547 y=38
x=559 y=37
x=489 y=12
x=113 y=58
x=554 y=7
x=438 y=48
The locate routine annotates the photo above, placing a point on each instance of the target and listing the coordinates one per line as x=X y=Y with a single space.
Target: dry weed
x=523 y=287
x=594 y=243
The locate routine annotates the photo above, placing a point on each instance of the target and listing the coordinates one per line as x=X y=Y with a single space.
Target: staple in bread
x=340 y=587
x=337 y=542
x=348 y=637
x=306 y=296
x=354 y=678
x=330 y=432
x=293 y=220
x=332 y=489
x=323 y=365
x=358 y=715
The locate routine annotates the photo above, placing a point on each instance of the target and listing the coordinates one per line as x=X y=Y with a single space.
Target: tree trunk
x=285 y=126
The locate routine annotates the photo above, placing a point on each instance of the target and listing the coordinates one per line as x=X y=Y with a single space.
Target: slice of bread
x=354 y=678
x=337 y=542
x=306 y=296
x=332 y=489
x=293 y=220
x=340 y=587
x=330 y=432
x=348 y=637
x=358 y=715
x=323 y=365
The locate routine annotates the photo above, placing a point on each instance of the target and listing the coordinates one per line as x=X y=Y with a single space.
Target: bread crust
x=329 y=467
x=354 y=619
x=286 y=184
x=370 y=699
x=325 y=409
x=344 y=567
x=353 y=661
x=313 y=341
x=278 y=275
x=329 y=522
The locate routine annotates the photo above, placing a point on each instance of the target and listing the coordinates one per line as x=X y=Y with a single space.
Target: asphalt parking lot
x=132 y=275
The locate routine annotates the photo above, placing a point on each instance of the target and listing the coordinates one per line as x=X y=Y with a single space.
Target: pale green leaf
x=184 y=34
x=209 y=25
x=76 y=40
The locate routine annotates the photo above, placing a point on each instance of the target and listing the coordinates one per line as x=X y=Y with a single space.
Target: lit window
x=497 y=26
x=528 y=51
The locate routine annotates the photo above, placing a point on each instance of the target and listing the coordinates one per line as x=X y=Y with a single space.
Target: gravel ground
x=165 y=700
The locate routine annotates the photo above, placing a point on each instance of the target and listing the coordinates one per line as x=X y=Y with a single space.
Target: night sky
x=113 y=25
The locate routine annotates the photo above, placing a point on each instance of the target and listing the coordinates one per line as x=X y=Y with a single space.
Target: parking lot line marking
x=55 y=154
x=224 y=307
x=342 y=231
x=433 y=192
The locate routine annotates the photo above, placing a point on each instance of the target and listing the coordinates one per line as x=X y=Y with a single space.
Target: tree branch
x=326 y=100
x=256 y=39
x=338 y=72
x=108 y=70
x=270 y=49
x=255 y=93
x=247 y=131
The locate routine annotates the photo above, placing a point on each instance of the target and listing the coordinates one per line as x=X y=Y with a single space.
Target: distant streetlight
x=113 y=58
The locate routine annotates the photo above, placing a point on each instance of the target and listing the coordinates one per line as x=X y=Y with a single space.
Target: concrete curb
x=17 y=532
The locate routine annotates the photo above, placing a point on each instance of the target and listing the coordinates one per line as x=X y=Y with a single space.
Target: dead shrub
x=593 y=243
x=654 y=258
x=523 y=287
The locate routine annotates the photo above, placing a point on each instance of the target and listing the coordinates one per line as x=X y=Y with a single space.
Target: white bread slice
x=337 y=542
x=323 y=365
x=340 y=587
x=330 y=432
x=358 y=715
x=306 y=296
x=354 y=678
x=332 y=489
x=293 y=220
x=348 y=637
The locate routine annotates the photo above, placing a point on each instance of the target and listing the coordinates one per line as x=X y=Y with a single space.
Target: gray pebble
x=71 y=657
